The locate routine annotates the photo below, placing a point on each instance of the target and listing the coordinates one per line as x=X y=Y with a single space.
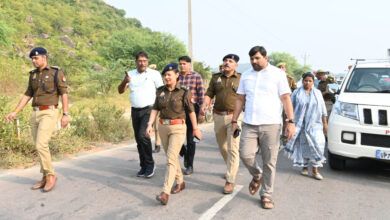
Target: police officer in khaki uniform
x=293 y=85
x=329 y=97
x=223 y=86
x=291 y=81
x=46 y=84
x=324 y=81
x=172 y=101
x=157 y=140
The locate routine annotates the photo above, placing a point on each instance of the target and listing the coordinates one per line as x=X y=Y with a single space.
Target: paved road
x=104 y=185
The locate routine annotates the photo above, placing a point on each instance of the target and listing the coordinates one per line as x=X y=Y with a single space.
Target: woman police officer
x=172 y=101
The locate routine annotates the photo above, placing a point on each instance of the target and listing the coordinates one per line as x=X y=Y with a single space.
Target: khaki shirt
x=41 y=86
x=170 y=103
x=323 y=85
x=291 y=82
x=224 y=89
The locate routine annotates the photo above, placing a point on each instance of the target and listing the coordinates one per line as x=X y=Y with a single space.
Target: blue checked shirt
x=194 y=82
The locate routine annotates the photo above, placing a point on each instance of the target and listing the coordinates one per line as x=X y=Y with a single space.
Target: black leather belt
x=140 y=109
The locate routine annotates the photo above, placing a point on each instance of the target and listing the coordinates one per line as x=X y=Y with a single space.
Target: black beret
x=38 y=51
x=231 y=56
x=171 y=66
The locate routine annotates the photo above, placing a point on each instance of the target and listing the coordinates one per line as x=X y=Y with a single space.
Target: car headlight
x=346 y=109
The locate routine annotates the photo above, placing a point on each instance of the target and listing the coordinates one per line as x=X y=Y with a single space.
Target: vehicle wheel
x=335 y=162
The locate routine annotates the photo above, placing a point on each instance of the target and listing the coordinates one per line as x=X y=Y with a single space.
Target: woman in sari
x=307 y=146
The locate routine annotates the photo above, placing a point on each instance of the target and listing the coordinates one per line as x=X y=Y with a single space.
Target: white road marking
x=210 y=213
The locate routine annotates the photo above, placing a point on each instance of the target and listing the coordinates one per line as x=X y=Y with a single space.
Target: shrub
x=105 y=123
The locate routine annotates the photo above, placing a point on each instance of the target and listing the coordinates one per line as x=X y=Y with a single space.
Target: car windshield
x=369 y=80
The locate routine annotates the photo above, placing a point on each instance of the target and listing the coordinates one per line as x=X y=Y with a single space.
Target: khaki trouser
x=156 y=133
x=172 y=138
x=228 y=145
x=267 y=138
x=42 y=126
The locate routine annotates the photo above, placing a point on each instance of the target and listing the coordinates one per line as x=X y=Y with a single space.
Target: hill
x=89 y=39
x=93 y=43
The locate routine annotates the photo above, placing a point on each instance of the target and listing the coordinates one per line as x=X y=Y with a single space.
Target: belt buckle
x=167 y=122
x=224 y=113
x=36 y=108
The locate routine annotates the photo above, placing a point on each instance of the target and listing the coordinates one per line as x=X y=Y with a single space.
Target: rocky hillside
x=92 y=41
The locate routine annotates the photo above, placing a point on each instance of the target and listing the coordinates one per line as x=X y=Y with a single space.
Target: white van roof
x=373 y=65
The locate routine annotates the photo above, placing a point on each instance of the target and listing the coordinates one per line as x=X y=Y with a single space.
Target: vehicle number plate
x=385 y=155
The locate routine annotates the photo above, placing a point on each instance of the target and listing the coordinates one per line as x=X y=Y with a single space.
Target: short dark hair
x=185 y=58
x=308 y=74
x=141 y=54
x=256 y=49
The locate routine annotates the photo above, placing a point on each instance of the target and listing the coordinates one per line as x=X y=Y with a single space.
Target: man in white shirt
x=142 y=82
x=263 y=90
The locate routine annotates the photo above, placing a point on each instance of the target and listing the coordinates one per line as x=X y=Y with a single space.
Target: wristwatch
x=290 y=120
x=65 y=114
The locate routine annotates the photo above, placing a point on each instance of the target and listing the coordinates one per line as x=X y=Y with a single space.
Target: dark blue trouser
x=191 y=145
x=140 y=118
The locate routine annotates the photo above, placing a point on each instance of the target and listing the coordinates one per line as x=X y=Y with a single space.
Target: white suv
x=359 y=126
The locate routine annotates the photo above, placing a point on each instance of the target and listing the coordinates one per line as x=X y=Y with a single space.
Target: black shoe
x=157 y=149
x=141 y=172
x=183 y=150
x=149 y=171
x=189 y=171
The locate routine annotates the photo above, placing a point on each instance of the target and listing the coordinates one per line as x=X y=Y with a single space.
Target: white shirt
x=143 y=87
x=262 y=92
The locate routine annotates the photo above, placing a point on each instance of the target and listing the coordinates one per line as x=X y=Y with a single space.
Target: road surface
x=104 y=185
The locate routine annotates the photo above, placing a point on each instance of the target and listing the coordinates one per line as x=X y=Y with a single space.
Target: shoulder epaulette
x=184 y=87
x=161 y=87
x=33 y=71
x=55 y=67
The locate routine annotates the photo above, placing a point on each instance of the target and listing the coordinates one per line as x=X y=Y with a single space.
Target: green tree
x=161 y=48
x=110 y=77
x=293 y=67
x=202 y=69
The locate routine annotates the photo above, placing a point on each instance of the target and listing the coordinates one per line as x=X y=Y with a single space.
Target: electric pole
x=190 y=30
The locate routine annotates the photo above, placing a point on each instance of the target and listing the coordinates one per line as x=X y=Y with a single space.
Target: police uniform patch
x=63 y=79
x=47 y=77
x=219 y=81
x=162 y=94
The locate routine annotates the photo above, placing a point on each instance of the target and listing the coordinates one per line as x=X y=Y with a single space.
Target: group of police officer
x=174 y=103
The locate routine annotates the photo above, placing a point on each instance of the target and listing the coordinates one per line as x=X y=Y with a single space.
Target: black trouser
x=140 y=118
x=190 y=151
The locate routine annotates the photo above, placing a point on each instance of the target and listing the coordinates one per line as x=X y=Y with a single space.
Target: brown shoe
x=266 y=202
x=39 y=185
x=178 y=188
x=163 y=198
x=229 y=188
x=254 y=185
x=50 y=182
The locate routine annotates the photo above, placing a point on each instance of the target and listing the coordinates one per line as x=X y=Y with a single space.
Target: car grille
x=375 y=140
x=375 y=117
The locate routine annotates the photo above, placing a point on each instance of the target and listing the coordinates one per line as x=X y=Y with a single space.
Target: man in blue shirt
x=142 y=82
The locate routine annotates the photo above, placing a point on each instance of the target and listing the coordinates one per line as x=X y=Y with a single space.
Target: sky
x=328 y=33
